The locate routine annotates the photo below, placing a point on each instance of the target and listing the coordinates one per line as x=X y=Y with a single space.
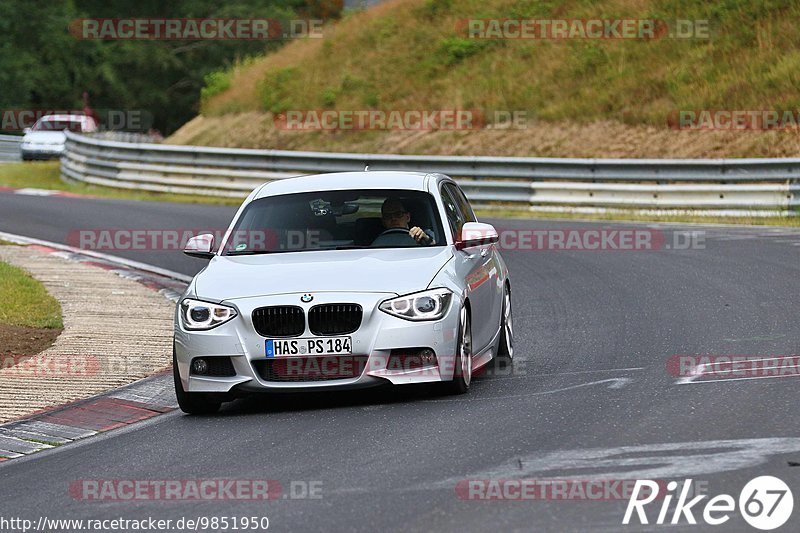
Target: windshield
x=58 y=125
x=337 y=220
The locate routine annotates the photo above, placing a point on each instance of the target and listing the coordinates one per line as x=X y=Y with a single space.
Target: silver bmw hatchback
x=339 y=281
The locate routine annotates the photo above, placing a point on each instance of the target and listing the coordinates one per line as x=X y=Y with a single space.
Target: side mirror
x=476 y=234
x=26 y=130
x=200 y=246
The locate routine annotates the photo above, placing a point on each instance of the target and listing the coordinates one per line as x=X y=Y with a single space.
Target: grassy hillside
x=586 y=97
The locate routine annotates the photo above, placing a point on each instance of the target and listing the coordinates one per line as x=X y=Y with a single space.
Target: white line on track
x=701 y=372
x=36 y=192
x=574 y=373
x=721 y=380
x=615 y=383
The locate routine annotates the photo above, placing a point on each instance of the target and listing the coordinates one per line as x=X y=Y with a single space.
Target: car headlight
x=197 y=315
x=425 y=305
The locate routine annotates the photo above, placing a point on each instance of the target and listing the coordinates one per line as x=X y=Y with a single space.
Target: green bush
x=276 y=94
x=453 y=50
x=215 y=82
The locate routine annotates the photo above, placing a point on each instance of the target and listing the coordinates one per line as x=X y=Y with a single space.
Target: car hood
x=46 y=137
x=397 y=270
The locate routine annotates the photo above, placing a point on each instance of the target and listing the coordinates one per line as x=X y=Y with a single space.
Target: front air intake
x=334 y=319
x=279 y=321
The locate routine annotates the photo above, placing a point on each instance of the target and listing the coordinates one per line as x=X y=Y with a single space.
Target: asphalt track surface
x=594 y=333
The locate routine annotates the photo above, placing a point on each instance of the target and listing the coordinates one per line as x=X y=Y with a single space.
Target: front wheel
x=462 y=373
x=193 y=403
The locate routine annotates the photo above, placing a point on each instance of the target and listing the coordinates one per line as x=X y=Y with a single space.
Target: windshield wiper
x=262 y=252
x=255 y=252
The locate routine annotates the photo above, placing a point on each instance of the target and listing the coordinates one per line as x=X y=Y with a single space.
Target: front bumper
x=370 y=364
x=41 y=151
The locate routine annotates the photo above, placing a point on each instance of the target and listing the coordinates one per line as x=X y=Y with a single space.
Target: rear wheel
x=193 y=403
x=462 y=373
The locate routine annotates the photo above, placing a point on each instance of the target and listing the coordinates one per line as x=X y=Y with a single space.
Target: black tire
x=505 y=348
x=193 y=403
x=461 y=378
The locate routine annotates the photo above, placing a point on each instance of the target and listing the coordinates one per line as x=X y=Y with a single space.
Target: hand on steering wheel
x=419 y=235
x=416 y=233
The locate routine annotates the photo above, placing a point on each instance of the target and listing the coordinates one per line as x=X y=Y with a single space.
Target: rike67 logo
x=765 y=503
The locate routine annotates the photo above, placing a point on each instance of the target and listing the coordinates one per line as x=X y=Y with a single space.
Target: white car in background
x=46 y=139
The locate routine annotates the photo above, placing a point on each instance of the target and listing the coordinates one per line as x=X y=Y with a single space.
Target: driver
x=394 y=216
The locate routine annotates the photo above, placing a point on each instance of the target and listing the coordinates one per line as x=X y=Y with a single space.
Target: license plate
x=309 y=346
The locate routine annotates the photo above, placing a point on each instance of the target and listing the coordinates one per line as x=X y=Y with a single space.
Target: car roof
x=345 y=181
x=71 y=118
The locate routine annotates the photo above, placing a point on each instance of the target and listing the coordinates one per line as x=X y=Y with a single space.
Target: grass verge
x=636 y=217
x=26 y=302
x=46 y=175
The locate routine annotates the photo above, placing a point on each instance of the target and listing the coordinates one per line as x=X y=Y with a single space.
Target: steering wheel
x=391 y=231
x=394 y=237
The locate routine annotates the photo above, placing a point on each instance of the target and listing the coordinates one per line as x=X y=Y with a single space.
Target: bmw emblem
x=306 y=298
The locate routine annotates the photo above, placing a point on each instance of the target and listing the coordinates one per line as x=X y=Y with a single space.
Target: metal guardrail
x=9 y=147
x=493 y=182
